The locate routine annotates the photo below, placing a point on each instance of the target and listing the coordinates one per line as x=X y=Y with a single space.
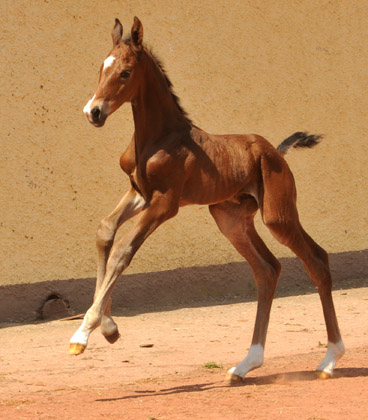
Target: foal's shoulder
x=127 y=159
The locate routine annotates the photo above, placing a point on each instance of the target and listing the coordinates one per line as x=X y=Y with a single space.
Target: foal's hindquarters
x=277 y=202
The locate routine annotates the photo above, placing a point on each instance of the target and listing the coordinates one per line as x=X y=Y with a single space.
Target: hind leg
x=280 y=214
x=236 y=223
x=315 y=260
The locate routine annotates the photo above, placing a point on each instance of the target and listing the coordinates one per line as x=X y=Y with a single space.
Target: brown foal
x=172 y=163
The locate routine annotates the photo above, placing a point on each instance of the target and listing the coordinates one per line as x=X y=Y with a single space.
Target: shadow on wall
x=165 y=290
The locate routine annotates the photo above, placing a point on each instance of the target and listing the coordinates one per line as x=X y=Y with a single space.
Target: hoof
x=76 y=348
x=113 y=337
x=232 y=378
x=323 y=375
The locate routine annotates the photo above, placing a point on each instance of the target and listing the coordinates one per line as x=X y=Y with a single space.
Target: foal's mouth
x=97 y=123
x=94 y=121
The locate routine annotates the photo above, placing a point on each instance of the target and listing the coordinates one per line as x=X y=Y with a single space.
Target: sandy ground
x=157 y=371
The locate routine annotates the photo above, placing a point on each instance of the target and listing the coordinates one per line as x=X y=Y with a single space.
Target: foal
x=172 y=163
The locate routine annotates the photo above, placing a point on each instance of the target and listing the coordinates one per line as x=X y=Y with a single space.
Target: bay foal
x=172 y=163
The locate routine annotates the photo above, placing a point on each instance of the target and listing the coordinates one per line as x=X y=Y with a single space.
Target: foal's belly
x=207 y=190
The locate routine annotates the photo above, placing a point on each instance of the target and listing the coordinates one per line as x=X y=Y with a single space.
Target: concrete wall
x=238 y=67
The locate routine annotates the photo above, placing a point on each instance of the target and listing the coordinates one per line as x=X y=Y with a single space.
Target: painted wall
x=239 y=67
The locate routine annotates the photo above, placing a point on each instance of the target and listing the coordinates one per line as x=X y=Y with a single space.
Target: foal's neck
x=155 y=109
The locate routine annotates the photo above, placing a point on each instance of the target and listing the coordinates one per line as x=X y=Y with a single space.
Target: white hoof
x=232 y=377
x=109 y=329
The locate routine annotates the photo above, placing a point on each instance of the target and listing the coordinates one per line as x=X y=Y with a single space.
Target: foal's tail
x=299 y=139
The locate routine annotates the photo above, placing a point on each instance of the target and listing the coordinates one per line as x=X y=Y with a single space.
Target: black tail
x=299 y=139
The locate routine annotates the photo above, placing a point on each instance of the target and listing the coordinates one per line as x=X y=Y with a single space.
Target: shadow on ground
x=165 y=290
x=282 y=378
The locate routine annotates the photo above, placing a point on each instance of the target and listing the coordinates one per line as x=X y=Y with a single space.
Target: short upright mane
x=166 y=77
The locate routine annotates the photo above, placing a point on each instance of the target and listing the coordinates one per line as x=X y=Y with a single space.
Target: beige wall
x=243 y=66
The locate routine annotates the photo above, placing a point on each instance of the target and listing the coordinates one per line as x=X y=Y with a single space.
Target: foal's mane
x=161 y=67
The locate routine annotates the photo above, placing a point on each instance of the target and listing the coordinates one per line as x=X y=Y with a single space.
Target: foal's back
x=224 y=167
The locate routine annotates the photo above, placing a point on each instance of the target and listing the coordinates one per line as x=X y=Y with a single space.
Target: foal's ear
x=137 y=35
x=117 y=33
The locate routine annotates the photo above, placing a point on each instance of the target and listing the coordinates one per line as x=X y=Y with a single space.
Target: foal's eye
x=125 y=74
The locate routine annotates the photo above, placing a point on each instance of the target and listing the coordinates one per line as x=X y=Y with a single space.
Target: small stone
x=146 y=345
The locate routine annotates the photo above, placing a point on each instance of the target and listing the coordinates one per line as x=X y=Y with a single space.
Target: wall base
x=175 y=288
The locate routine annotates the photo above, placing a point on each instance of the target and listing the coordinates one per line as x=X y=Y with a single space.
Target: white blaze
x=87 y=108
x=108 y=62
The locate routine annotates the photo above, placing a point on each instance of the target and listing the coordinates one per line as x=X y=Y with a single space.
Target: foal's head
x=119 y=74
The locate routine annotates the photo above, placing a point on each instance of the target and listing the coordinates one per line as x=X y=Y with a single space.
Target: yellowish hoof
x=76 y=348
x=323 y=375
x=113 y=337
x=234 y=379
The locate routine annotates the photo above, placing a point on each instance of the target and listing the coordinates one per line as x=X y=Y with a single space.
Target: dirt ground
x=159 y=369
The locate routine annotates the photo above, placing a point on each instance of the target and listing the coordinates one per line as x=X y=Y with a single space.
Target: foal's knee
x=105 y=234
x=267 y=277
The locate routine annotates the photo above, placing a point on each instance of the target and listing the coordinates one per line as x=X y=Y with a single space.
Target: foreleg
x=130 y=205
x=161 y=208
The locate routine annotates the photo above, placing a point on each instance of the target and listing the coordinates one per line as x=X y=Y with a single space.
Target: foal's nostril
x=96 y=113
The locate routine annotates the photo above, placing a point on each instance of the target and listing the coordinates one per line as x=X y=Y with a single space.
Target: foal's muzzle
x=96 y=114
x=97 y=117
